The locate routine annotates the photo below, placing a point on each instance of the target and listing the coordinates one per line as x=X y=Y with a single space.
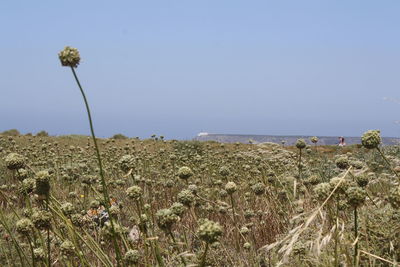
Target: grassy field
x=190 y=203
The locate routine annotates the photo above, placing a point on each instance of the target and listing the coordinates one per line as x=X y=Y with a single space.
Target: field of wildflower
x=85 y=201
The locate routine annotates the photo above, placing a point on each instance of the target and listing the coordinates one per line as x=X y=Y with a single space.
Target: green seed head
x=314 y=139
x=185 y=173
x=186 y=197
x=301 y=143
x=230 y=187
x=258 y=188
x=42 y=183
x=209 y=231
x=355 y=196
x=178 y=208
x=371 y=139
x=166 y=219
x=14 y=161
x=24 y=227
x=134 y=192
x=69 y=57
x=131 y=257
x=41 y=219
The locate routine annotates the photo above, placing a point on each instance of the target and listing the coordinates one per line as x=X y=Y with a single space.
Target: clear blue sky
x=176 y=68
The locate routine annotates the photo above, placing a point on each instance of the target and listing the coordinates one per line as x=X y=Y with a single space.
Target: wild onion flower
x=69 y=57
x=131 y=257
x=258 y=188
x=230 y=187
x=14 y=161
x=166 y=219
x=186 y=197
x=25 y=227
x=371 y=139
x=134 y=192
x=42 y=219
x=185 y=173
x=342 y=162
x=42 y=183
x=301 y=143
x=209 y=231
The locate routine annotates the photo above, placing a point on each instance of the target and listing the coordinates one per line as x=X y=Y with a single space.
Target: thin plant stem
x=203 y=259
x=103 y=181
x=356 y=237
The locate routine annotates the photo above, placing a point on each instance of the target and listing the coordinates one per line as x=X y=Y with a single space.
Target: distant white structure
x=202 y=134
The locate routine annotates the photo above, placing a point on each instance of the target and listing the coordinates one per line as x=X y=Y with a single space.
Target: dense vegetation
x=263 y=206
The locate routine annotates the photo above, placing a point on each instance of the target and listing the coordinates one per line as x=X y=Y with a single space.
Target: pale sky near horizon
x=176 y=68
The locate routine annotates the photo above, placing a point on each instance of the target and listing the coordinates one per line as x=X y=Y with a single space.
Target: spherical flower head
x=224 y=171
x=209 y=231
x=134 y=192
x=258 y=188
x=69 y=57
x=193 y=188
x=362 y=180
x=342 y=162
x=22 y=174
x=301 y=143
x=14 y=161
x=355 y=196
x=230 y=187
x=126 y=163
x=67 y=248
x=27 y=186
x=186 y=197
x=344 y=184
x=314 y=139
x=322 y=190
x=24 y=227
x=178 y=208
x=394 y=197
x=244 y=230
x=371 y=139
x=42 y=183
x=185 y=173
x=166 y=219
x=131 y=257
x=41 y=219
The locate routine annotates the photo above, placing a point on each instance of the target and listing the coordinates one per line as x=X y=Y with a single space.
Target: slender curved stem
x=103 y=181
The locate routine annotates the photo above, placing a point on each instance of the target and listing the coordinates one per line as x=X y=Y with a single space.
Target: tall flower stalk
x=70 y=57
